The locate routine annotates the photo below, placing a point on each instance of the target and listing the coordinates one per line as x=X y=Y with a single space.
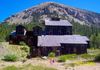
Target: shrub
x=24 y=55
x=52 y=54
x=10 y=57
x=25 y=48
x=23 y=43
x=71 y=56
x=63 y=58
x=86 y=56
x=97 y=58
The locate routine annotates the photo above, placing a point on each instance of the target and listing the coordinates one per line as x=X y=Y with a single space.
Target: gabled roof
x=55 y=40
x=57 y=23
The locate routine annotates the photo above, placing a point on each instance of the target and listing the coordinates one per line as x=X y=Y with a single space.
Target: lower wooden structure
x=60 y=50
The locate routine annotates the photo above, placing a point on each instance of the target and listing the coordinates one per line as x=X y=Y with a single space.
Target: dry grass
x=13 y=49
x=27 y=67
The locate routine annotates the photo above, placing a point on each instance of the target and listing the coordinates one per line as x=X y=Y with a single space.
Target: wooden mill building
x=56 y=37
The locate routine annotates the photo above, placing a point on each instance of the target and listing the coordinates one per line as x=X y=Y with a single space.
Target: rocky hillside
x=50 y=9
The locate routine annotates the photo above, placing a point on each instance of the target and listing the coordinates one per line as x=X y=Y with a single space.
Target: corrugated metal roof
x=73 y=40
x=84 y=37
x=48 y=41
x=55 y=40
x=57 y=23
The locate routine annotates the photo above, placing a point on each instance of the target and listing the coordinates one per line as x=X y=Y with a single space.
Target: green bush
x=63 y=58
x=97 y=58
x=71 y=56
x=52 y=54
x=10 y=57
x=23 y=43
x=87 y=56
x=25 y=48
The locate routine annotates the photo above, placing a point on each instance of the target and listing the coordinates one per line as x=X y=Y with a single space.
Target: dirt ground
x=58 y=66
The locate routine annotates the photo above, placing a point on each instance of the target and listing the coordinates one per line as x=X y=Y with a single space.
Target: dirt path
x=58 y=66
x=40 y=62
x=95 y=67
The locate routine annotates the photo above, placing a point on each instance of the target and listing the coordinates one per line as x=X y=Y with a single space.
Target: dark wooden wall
x=37 y=31
x=58 y=30
x=44 y=51
x=63 y=49
x=20 y=30
x=73 y=48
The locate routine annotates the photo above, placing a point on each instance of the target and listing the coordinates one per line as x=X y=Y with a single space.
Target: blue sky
x=9 y=7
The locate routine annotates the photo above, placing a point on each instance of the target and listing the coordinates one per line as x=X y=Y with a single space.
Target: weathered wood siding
x=58 y=30
x=73 y=48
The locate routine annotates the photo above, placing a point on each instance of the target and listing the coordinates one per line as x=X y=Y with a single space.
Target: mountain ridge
x=51 y=9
